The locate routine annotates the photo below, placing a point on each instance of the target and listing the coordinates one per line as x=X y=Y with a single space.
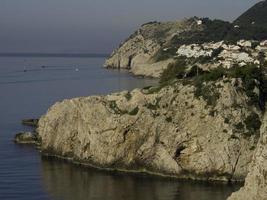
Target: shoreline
x=87 y=165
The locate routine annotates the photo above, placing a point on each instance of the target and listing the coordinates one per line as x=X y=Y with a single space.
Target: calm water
x=24 y=175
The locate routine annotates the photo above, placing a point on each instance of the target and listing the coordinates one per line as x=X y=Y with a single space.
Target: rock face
x=256 y=182
x=167 y=131
x=138 y=52
x=156 y=45
x=144 y=51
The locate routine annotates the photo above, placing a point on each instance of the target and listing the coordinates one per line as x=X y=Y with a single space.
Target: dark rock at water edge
x=26 y=138
x=30 y=122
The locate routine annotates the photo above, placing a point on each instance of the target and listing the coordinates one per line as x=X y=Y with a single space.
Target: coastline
x=117 y=112
x=140 y=171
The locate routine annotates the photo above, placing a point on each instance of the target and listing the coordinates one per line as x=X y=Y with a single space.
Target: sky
x=95 y=26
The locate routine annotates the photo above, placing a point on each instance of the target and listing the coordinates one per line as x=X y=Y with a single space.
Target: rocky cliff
x=256 y=182
x=154 y=45
x=139 y=53
x=150 y=57
x=168 y=131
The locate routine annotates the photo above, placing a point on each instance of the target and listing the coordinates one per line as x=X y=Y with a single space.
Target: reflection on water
x=29 y=94
x=67 y=181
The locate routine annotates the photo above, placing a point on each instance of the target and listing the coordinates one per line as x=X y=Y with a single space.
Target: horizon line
x=38 y=54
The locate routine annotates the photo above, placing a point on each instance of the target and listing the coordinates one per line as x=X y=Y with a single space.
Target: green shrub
x=174 y=70
x=204 y=59
x=239 y=126
x=246 y=32
x=164 y=54
x=210 y=31
x=212 y=113
x=226 y=120
x=134 y=111
x=208 y=93
x=255 y=44
x=213 y=75
x=113 y=106
x=250 y=71
x=147 y=87
x=153 y=106
x=128 y=96
x=253 y=123
x=252 y=77
x=169 y=119
x=194 y=71
x=150 y=23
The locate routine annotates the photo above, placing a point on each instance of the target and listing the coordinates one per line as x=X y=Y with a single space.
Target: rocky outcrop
x=155 y=46
x=168 y=131
x=30 y=122
x=139 y=52
x=156 y=41
x=151 y=70
x=26 y=138
x=256 y=182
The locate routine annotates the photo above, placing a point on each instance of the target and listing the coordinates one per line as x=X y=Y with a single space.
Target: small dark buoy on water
x=43 y=66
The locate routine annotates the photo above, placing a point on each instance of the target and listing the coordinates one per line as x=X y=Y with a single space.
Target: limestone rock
x=165 y=131
x=256 y=182
x=151 y=70
x=138 y=51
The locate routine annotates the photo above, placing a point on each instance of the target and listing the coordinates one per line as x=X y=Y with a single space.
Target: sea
x=29 y=85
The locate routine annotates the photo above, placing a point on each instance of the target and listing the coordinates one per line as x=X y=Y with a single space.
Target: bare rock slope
x=256 y=182
x=138 y=52
x=168 y=131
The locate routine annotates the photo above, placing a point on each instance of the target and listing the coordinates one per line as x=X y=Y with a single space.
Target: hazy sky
x=95 y=25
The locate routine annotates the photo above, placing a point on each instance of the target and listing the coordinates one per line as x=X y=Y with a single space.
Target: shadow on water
x=67 y=181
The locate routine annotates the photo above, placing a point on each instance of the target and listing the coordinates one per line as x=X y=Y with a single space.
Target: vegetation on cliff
x=211 y=30
x=253 y=82
x=251 y=25
x=255 y=15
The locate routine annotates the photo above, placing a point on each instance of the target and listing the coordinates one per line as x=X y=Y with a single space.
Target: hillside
x=154 y=45
x=256 y=15
x=251 y=25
